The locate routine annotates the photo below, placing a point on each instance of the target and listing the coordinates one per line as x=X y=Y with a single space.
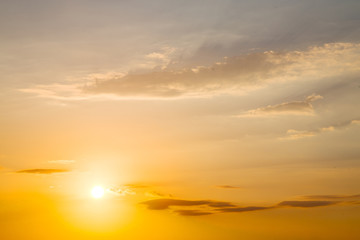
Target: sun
x=97 y=192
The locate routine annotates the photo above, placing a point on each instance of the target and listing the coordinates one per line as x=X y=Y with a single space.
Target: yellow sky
x=216 y=120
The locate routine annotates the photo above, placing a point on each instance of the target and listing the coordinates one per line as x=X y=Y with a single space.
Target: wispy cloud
x=43 y=171
x=157 y=194
x=333 y=197
x=136 y=185
x=121 y=191
x=293 y=134
x=137 y=189
x=232 y=75
x=287 y=108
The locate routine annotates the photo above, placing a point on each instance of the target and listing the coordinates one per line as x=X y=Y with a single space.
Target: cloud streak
x=165 y=203
x=293 y=134
x=228 y=187
x=192 y=212
x=306 y=204
x=332 y=197
x=121 y=191
x=207 y=207
x=43 y=171
x=287 y=108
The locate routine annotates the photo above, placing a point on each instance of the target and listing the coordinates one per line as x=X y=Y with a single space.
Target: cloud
x=207 y=207
x=160 y=204
x=157 y=194
x=137 y=189
x=228 y=187
x=43 y=171
x=355 y=122
x=192 y=212
x=242 y=209
x=306 y=204
x=330 y=197
x=293 y=134
x=287 y=108
x=232 y=75
x=195 y=81
x=121 y=191
x=165 y=203
x=62 y=161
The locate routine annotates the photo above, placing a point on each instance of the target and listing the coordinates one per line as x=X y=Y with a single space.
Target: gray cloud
x=306 y=204
x=192 y=212
x=43 y=171
x=242 y=209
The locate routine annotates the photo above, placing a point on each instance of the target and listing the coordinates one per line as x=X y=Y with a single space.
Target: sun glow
x=97 y=192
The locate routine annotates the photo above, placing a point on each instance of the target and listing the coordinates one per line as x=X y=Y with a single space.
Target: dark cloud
x=160 y=204
x=242 y=209
x=207 y=207
x=192 y=212
x=216 y=204
x=306 y=204
x=43 y=171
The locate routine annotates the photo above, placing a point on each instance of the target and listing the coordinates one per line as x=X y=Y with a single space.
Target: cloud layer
x=232 y=75
x=237 y=73
x=207 y=207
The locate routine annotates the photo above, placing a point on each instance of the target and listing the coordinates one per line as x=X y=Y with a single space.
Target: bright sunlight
x=97 y=192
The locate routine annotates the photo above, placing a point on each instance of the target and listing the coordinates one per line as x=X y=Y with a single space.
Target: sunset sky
x=164 y=119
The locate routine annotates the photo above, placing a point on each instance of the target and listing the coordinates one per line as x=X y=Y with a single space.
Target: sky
x=197 y=119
